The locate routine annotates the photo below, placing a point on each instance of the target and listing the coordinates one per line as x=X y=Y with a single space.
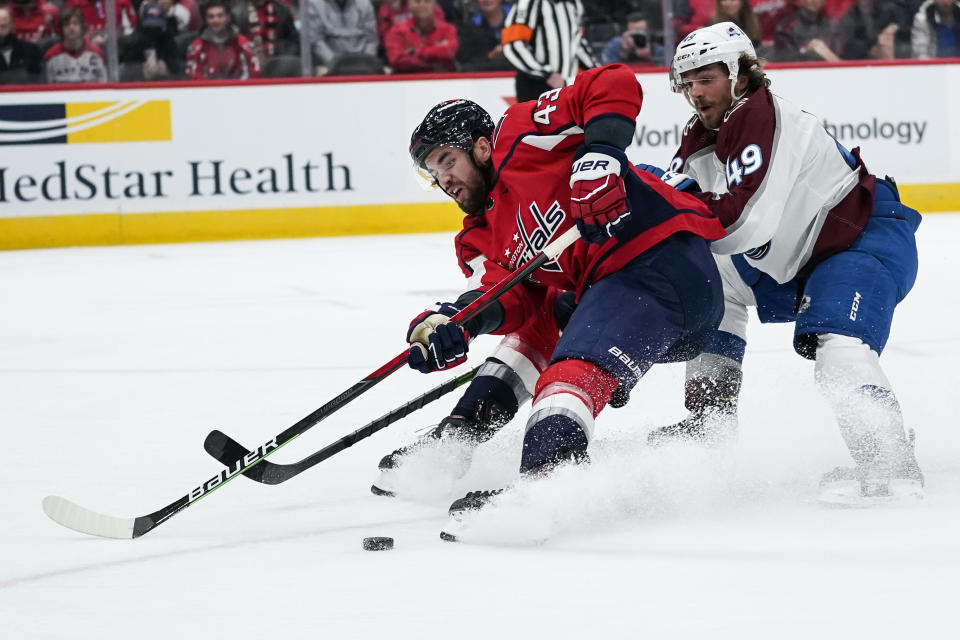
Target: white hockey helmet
x=722 y=42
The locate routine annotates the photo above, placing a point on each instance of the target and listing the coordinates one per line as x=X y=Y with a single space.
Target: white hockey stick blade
x=73 y=516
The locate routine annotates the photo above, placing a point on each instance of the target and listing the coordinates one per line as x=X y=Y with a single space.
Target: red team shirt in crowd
x=95 y=13
x=237 y=59
x=36 y=22
x=529 y=204
x=408 y=51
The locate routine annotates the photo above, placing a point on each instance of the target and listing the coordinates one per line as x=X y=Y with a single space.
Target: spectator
x=74 y=58
x=151 y=52
x=268 y=24
x=20 y=61
x=936 y=30
x=220 y=51
x=699 y=14
x=803 y=35
x=480 y=48
x=180 y=13
x=341 y=27
x=769 y=14
x=393 y=12
x=740 y=13
x=634 y=45
x=456 y=11
x=95 y=14
x=867 y=30
x=34 y=19
x=422 y=43
x=906 y=10
x=542 y=41
x=835 y=9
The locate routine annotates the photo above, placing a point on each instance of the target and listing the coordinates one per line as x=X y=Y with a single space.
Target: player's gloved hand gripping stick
x=598 y=197
x=74 y=516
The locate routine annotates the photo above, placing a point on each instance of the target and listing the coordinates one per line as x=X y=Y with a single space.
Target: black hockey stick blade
x=223 y=447
x=73 y=516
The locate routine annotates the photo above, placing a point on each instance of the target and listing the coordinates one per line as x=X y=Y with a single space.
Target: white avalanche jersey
x=783 y=189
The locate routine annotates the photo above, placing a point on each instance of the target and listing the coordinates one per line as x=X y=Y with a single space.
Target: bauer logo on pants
x=85 y=122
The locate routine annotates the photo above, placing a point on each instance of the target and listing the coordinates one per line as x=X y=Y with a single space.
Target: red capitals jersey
x=538 y=336
x=533 y=149
x=236 y=59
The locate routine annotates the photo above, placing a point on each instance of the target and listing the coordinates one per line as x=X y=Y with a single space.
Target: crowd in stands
x=65 y=40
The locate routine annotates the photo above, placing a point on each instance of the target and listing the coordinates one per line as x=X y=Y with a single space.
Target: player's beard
x=712 y=119
x=478 y=187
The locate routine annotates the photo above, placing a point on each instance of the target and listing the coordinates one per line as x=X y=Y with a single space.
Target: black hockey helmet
x=457 y=123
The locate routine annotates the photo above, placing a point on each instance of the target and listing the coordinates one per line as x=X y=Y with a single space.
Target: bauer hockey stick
x=78 y=518
x=224 y=448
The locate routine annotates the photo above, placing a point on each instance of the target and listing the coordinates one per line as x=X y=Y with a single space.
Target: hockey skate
x=441 y=455
x=708 y=428
x=472 y=502
x=463 y=509
x=875 y=482
x=712 y=401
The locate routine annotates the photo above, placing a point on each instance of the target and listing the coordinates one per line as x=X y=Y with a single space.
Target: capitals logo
x=533 y=239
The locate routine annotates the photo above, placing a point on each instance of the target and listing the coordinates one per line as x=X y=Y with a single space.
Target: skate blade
x=385 y=485
x=377 y=491
x=448 y=537
x=848 y=495
x=471 y=532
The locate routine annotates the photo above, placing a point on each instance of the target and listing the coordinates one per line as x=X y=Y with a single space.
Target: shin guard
x=569 y=396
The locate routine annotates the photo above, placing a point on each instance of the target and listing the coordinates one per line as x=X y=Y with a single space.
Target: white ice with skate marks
x=625 y=484
x=115 y=363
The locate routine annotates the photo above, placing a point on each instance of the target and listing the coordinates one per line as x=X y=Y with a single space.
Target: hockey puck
x=378 y=544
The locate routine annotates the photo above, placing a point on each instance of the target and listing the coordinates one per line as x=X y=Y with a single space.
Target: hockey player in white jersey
x=812 y=238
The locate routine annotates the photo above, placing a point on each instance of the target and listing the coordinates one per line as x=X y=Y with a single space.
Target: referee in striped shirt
x=542 y=40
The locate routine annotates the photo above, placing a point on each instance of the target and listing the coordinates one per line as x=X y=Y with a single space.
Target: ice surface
x=115 y=362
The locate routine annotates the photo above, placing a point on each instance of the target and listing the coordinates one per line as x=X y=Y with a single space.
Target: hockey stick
x=224 y=448
x=78 y=518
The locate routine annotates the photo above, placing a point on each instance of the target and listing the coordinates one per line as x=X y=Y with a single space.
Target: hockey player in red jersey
x=504 y=383
x=812 y=238
x=646 y=285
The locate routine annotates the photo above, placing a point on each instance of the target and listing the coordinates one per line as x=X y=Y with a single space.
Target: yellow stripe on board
x=148 y=122
x=203 y=226
x=931 y=198
x=243 y=224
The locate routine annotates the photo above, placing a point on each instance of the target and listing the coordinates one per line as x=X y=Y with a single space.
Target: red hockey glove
x=597 y=194
x=435 y=342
